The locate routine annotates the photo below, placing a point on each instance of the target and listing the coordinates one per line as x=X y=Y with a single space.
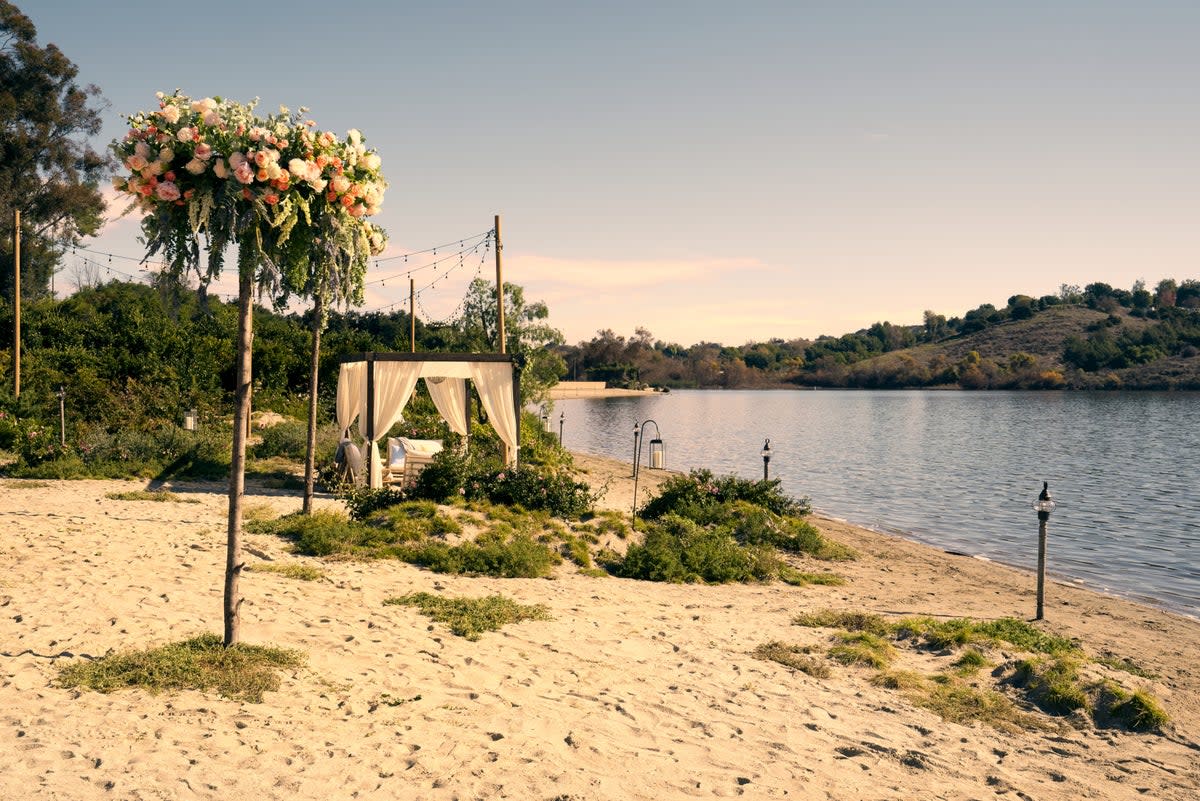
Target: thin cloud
x=610 y=274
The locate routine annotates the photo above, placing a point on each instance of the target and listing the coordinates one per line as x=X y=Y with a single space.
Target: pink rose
x=203 y=151
x=167 y=191
x=135 y=163
x=244 y=173
x=195 y=166
x=186 y=134
x=220 y=169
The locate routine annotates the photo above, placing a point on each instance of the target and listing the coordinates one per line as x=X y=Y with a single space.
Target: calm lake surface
x=958 y=470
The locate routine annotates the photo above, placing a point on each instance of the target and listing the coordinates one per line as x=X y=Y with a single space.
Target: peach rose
x=167 y=191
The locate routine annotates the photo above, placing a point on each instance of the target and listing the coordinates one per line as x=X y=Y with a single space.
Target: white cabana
x=374 y=388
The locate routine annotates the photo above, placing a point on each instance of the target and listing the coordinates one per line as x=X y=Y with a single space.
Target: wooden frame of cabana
x=482 y=369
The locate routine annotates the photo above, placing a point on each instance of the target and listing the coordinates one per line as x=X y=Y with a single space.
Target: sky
x=712 y=171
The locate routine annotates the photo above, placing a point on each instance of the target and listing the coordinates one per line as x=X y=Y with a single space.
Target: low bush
x=498 y=552
x=677 y=549
x=288 y=439
x=796 y=657
x=699 y=495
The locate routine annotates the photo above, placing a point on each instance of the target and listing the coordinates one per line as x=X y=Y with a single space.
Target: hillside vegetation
x=1096 y=337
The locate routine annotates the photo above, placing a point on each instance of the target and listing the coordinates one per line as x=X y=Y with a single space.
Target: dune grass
x=241 y=673
x=796 y=657
x=292 y=570
x=162 y=496
x=1050 y=678
x=471 y=617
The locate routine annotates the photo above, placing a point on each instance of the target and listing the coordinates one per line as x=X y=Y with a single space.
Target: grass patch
x=899 y=680
x=862 y=648
x=850 y=621
x=1139 y=711
x=1120 y=663
x=798 y=578
x=471 y=617
x=957 y=632
x=24 y=484
x=162 y=496
x=498 y=552
x=292 y=570
x=241 y=673
x=961 y=703
x=970 y=661
x=1053 y=684
x=796 y=657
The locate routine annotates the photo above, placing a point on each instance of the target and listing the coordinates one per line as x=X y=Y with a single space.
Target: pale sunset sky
x=715 y=171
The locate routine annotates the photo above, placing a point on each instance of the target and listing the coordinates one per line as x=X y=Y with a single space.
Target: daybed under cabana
x=374 y=388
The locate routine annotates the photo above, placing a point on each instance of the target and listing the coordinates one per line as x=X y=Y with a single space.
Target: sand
x=632 y=691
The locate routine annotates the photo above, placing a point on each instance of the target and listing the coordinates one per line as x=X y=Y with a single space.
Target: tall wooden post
x=412 y=315
x=17 y=304
x=499 y=290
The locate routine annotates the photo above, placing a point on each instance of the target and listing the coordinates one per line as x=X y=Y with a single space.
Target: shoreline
x=631 y=690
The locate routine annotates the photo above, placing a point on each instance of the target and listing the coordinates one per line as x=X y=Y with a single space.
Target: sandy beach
x=633 y=690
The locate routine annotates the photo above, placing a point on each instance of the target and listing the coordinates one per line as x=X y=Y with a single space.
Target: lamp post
x=562 y=418
x=62 y=414
x=189 y=420
x=766 y=455
x=657 y=455
x=637 y=430
x=1043 y=507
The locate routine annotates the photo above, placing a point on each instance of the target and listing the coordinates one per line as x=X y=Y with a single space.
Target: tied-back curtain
x=450 y=397
x=494 y=382
x=351 y=394
x=394 y=384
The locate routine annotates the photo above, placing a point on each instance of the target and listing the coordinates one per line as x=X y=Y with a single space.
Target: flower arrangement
x=292 y=197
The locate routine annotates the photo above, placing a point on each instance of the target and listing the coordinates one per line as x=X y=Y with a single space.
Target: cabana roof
x=374 y=388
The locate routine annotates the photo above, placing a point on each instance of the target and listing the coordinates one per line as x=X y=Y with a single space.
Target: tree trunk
x=310 y=455
x=237 y=463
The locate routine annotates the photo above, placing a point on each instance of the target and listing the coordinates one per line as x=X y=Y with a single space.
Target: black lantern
x=1044 y=505
x=766 y=455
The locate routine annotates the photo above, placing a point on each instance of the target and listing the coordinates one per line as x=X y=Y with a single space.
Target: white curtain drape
x=450 y=397
x=494 y=382
x=351 y=394
x=394 y=384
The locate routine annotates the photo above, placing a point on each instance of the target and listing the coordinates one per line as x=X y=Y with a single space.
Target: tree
x=48 y=171
x=212 y=167
x=525 y=332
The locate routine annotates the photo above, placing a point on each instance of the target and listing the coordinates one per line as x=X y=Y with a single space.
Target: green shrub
x=699 y=494
x=677 y=549
x=555 y=492
x=289 y=439
x=320 y=534
x=498 y=552
x=363 y=501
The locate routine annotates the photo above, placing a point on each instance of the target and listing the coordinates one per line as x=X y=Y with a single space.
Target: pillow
x=424 y=447
x=395 y=452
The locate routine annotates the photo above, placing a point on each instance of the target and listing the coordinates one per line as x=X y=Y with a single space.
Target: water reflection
x=958 y=469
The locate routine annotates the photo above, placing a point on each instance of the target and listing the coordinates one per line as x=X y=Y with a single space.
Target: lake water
x=958 y=470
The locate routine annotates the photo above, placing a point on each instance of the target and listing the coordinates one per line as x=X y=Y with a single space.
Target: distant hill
x=1062 y=346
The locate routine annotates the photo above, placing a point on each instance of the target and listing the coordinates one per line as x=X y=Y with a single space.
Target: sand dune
x=632 y=691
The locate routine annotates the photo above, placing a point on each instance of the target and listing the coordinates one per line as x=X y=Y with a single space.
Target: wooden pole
x=17 y=304
x=499 y=289
x=412 y=315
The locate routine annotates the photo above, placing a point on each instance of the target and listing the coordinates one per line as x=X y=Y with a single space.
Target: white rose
x=212 y=119
x=170 y=114
x=372 y=161
x=339 y=184
x=166 y=155
x=354 y=136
